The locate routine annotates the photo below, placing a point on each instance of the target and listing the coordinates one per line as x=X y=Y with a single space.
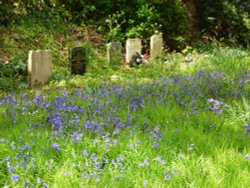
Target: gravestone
x=156 y=45
x=78 y=60
x=114 y=53
x=133 y=46
x=39 y=67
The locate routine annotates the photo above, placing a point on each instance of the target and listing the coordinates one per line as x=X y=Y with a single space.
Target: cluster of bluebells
x=216 y=106
x=156 y=135
x=102 y=113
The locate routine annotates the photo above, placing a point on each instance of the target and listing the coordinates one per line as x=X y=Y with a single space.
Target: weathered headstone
x=133 y=46
x=114 y=53
x=39 y=67
x=156 y=45
x=78 y=60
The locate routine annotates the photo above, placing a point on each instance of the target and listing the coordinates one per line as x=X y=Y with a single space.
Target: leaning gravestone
x=39 y=67
x=114 y=54
x=156 y=45
x=78 y=60
x=133 y=46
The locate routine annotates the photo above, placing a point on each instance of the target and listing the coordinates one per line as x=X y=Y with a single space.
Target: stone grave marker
x=78 y=60
x=133 y=46
x=39 y=67
x=114 y=53
x=156 y=45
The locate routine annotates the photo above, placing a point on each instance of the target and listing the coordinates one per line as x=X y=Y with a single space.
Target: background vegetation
x=180 y=121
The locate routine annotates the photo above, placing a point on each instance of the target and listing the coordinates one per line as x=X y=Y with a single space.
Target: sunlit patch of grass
x=182 y=130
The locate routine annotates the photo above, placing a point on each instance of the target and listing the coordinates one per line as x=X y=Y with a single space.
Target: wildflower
x=167 y=177
x=144 y=163
x=155 y=145
x=45 y=185
x=12 y=169
x=191 y=147
x=145 y=183
x=180 y=155
x=85 y=153
x=156 y=129
x=39 y=181
x=55 y=146
x=120 y=159
x=13 y=147
x=82 y=175
x=113 y=162
x=247 y=128
x=24 y=147
x=87 y=125
x=106 y=161
x=67 y=173
x=98 y=165
x=217 y=106
x=116 y=131
x=7 y=158
x=247 y=156
x=14 y=178
x=114 y=142
x=76 y=137
x=94 y=157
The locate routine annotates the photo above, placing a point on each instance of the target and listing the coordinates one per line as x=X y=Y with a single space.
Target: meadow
x=168 y=124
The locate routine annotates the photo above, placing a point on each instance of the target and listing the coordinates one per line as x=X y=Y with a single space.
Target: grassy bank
x=168 y=124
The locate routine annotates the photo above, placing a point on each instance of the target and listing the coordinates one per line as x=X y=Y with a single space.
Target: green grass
x=150 y=132
x=151 y=126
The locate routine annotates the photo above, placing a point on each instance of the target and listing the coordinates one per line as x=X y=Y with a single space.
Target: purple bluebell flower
x=156 y=129
x=76 y=137
x=67 y=173
x=85 y=153
x=95 y=141
x=12 y=169
x=114 y=142
x=247 y=156
x=160 y=160
x=94 y=157
x=155 y=145
x=98 y=165
x=14 y=178
x=247 y=128
x=120 y=159
x=144 y=163
x=24 y=147
x=217 y=106
x=56 y=146
x=13 y=147
x=87 y=125
x=167 y=177
x=7 y=158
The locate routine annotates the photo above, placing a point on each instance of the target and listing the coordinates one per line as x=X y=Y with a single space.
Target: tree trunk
x=192 y=9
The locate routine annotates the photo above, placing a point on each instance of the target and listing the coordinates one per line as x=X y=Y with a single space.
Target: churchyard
x=178 y=120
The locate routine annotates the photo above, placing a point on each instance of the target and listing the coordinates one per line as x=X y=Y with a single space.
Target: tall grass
x=182 y=130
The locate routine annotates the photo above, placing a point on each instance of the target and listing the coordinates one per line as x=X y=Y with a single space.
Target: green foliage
x=228 y=20
x=172 y=137
x=222 y=20
x=143 y=25
x=114 y=23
